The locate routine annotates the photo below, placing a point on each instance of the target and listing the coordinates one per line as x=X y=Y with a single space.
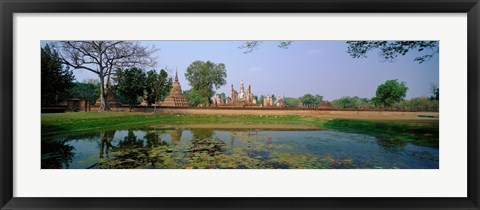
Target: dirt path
x=374 y=115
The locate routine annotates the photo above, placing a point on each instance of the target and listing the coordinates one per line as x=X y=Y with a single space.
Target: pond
x=238 y=147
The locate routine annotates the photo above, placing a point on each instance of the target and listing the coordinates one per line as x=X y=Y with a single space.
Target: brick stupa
x=176 y=97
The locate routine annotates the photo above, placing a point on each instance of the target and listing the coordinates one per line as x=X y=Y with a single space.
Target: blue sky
x=315 y=67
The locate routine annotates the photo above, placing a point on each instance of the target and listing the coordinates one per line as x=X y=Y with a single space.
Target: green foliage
x=436 y=95
x=223 y=96
x=131 y=84
x=311 y=101
x=417 y=104
x=157 y=86
x=165 y=85
x=204 y=77
x=260 y=100
x=435 y=92
x=292 y=102
x=151 y=84
x=89 y=90
x=56 y=80
x=390 y=50
x=352 y=103
x=389 y=93
x=308 y=100
x=194 y=99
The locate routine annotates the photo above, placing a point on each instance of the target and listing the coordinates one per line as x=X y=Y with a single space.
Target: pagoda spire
x=176 y=75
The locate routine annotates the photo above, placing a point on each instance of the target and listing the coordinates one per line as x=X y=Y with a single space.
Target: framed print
x=239 y=105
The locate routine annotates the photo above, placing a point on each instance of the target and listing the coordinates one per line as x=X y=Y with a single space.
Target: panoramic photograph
x=245 y=104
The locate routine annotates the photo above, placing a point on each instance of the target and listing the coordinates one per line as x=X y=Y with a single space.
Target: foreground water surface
x=173 y=147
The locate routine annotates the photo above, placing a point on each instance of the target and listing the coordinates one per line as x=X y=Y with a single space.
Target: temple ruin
x=237 y=99
x=176 y=97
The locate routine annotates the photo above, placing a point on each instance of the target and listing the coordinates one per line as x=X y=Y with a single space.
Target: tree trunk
x=155 y=105
x=103 y=96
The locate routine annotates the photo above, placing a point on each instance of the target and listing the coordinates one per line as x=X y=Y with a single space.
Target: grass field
x=421 y=131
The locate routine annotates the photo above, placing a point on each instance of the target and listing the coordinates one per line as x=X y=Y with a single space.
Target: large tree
x=157 y=86
x=205 y=76
x=166 y=84
x=151 y=85
x=131 y=84
x=104 y=57
x=390 y=92
x=390 y=50
x=56 y=79
x=292 y=102
x=311 y=101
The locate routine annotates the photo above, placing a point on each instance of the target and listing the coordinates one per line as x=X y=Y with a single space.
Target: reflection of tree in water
x=129 y=152
x=232 y=139
x=56 y=154
x=130 y=141
x=106 y=138
x=132 y=152
x=153 y=139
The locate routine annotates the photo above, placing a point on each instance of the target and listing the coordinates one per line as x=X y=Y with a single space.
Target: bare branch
x=103 y=57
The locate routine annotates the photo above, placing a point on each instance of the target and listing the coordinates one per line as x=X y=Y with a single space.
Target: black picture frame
x=10 y=7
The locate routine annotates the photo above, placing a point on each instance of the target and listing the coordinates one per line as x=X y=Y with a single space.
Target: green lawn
x=81 y=121
x=423 y=132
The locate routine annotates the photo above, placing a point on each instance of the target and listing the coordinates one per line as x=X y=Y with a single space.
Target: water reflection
x=106 y=138
x=56 y=154
x=206 y=148
x=175 y=135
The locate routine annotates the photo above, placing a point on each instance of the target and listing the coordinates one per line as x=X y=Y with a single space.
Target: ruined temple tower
x=176 y=97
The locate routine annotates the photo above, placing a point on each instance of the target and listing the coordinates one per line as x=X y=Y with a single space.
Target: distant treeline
x=414 y=104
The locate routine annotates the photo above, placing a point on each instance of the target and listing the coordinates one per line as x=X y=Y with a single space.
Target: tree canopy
x=131 y=84
x=292 y=102
x=89 y=90
x=104 y=57
x=55 y=79
x=204 y=77
x=352 y=103
x=157 y=86
x=390 y=50
x=390 y=92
